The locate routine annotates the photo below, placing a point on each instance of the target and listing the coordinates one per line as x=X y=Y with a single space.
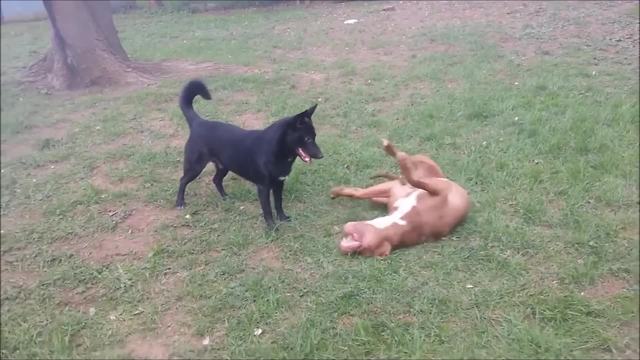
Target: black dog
x=263 y=157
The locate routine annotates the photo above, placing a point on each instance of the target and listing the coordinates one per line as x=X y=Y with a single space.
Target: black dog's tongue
x=303 y=155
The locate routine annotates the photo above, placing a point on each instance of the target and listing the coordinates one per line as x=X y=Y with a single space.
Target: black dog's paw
x=284 y=217
x=271 y=226
x=180 y=206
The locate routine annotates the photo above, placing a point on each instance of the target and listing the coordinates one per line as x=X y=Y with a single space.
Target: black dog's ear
x=311 y=110
x=304 y=117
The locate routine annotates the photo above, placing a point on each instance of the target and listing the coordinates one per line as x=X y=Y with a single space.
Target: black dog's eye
x=307 y=139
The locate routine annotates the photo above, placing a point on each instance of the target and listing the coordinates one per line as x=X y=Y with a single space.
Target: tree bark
x=85 y=48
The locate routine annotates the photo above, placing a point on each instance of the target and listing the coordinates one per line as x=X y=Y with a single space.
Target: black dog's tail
x=189 y=92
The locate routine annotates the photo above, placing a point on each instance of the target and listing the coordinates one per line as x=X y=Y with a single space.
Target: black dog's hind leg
x=264 y=193
x=193 y=166
x=221 y=172
x=277 y=198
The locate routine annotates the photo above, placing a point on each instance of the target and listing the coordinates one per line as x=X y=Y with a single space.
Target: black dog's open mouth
x=303 y=155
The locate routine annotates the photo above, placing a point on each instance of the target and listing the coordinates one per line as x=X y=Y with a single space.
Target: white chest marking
x=282 y=178
x=403 y=206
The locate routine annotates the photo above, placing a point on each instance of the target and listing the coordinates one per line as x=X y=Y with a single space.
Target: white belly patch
x=403 y=206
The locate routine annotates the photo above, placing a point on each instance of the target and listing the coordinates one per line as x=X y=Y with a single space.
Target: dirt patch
x=174 y=136
x=606 y=288
x=629 y=337
x=15 y=150
x=101 y=179
x=107 y=248
x=346 y=321
x=306 y=81
x=243 y=97
x=164 y=126
x=17 y=219
x=251 y=121
x=133 y=238
x=47 y=170
x=630 y=232
x=138 y=75
x=143 y=218
x=527 y=30
x=173 y=328
x=408 y=96
x=21 y=279
x=167 y=287
x=147 y=134
x=12 y=271
x=189 y=69
x=183 y=231
x=121 y=141
x=268 y=256
x=80 y=301
x=32 y=140
x=407 y=319
x=147 y=348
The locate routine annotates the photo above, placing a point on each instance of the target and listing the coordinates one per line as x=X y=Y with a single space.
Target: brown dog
x=429 y=207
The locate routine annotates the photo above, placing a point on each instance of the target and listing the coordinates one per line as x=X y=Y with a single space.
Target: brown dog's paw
x=335 y=192
x=388 y=147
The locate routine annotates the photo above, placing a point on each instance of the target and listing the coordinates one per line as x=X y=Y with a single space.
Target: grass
x=547 y=147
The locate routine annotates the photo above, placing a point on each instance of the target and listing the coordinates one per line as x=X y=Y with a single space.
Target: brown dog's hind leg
x=380 y=200
x=379 y=191
x=392 y=151
x=388 y=147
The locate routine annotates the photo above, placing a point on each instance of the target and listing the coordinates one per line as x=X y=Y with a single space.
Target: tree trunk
x=85 y=48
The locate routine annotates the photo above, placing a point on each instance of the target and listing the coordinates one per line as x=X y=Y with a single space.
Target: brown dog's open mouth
x=303 y=155
x=348 y=245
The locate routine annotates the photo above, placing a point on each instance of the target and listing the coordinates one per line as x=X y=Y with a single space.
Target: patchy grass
x=532 y=107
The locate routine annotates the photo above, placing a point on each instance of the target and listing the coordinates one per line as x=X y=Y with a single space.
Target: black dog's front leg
x=264 y=193
x=277 y=198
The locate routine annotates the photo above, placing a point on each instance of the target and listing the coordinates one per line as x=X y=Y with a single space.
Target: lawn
x=531 y=107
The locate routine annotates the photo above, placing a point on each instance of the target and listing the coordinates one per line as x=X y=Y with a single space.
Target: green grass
x=548 y=149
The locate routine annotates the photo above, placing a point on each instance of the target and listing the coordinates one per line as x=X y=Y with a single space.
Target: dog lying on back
x=423 y=205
